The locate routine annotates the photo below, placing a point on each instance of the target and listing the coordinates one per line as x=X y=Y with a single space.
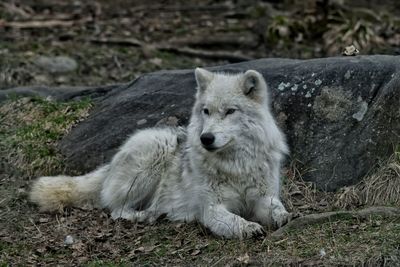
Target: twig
x=34 y=224
x=327 y=216
x=116 y=61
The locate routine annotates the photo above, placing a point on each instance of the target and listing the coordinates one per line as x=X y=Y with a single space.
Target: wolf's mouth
x=212 y=148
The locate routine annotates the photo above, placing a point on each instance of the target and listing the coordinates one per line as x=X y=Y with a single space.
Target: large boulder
x=341 y=115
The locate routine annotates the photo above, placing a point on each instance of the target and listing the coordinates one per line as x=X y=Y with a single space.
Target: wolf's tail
x=55 y=193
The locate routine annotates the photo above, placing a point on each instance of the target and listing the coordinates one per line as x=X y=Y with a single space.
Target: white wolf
x=222 y=171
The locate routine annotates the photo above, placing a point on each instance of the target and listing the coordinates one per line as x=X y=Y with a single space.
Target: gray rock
x=338 y=127
x=59 y=64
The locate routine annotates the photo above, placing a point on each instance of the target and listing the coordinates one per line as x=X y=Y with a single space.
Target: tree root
x=300 y=222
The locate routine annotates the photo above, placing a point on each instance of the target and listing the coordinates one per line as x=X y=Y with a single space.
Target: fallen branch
x=31 y=24
x=334 y=215
x=117 y=41
x=181 y=8
x=232 y=40
x=232 y=57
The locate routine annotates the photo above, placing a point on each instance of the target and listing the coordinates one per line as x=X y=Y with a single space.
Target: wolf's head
x=230 y=110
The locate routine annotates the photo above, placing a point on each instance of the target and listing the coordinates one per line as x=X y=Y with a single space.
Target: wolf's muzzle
x=207 y=140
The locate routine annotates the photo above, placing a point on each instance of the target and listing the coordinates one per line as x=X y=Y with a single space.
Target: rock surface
x=341 y=115
x=58 y=64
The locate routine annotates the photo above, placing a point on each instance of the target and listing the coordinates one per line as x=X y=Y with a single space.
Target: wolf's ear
x=254 y=85
x=203 y=78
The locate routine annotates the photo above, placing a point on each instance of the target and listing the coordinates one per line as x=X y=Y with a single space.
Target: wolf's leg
x=226 y=224
x=142 y=216
x=125 y=189
x=270 y=211
x=137 y=169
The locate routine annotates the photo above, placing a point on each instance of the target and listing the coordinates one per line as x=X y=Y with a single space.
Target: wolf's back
x=55 y=193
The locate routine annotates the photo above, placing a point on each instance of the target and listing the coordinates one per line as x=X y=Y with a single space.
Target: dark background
x=115 y=41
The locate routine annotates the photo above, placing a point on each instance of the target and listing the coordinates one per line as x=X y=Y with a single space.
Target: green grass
x=32 y=126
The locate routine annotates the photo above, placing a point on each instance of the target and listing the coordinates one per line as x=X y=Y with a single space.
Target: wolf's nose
x=207 y=139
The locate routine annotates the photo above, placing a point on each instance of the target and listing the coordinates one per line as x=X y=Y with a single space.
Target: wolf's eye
x=230 y=111
x=205 y=111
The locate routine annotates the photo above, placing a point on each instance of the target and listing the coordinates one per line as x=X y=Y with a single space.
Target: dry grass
x=348 y=197
x=303 y=197
x=380 y=188
x=383 y=187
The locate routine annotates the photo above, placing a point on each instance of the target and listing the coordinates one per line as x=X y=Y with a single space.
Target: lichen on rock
x=332 y=104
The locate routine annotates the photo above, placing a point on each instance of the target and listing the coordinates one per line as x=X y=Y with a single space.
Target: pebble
x=69 y=240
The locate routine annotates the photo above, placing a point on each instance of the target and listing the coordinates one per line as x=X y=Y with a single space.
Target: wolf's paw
x=122 y=214
x=134 y=216
x=252 y=229
x=280 y=217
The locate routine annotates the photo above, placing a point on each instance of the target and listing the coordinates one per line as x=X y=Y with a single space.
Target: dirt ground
x=104 y=42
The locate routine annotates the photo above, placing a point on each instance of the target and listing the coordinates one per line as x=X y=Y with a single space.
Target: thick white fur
x=233 y=190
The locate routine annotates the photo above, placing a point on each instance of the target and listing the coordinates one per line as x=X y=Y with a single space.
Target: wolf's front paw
x=252 y=229
x=280 y=217
x=134 y=216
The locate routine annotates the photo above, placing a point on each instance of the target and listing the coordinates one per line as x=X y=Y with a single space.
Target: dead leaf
x=41 y=250
x=196 y=252
x=350 y=51
x=244 y=259
x=44 y=220
x=141 y=250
